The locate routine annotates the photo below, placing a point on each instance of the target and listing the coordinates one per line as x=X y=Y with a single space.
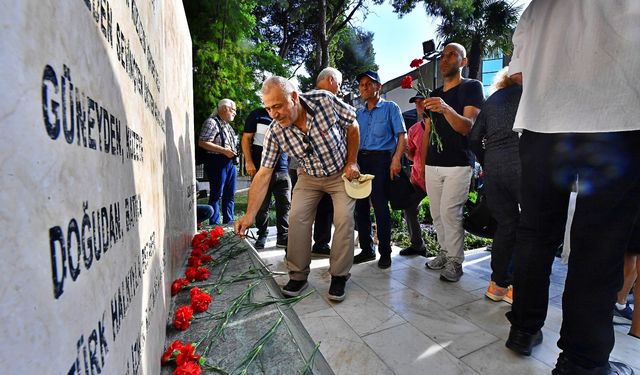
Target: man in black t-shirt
x=255 y=127
x=454 y=107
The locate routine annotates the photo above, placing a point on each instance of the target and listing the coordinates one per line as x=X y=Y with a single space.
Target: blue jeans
x=222 y=186
x=608 y=205
x=377 y=164
x=204 y=212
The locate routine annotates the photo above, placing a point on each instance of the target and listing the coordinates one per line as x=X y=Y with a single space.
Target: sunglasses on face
x=308 y=148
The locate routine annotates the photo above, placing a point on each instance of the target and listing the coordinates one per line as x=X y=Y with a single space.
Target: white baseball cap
x=358 y=188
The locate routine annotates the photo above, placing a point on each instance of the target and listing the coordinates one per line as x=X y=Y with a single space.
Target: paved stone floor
x=405 y=321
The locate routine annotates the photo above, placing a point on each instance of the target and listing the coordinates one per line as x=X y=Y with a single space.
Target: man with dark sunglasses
x=321 y=132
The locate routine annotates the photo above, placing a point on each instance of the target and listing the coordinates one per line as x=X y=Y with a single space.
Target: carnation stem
x=257 y=348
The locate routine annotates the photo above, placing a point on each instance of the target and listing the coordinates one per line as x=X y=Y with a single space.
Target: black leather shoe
x=411 y=251
x=321 y=250
x=364 y=257
x=564 y=366
x=523 y=342
x=260 y=242
x=384 y=261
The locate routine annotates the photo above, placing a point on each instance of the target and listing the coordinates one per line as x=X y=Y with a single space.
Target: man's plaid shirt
x=215 y=130
x=327 y=119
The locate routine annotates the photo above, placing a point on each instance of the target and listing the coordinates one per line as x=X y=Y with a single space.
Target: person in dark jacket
x=495 y=144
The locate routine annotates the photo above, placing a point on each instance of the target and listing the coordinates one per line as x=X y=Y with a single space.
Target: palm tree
x=483 y=26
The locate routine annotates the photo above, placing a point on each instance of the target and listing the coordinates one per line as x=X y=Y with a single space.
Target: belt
x=374 y=152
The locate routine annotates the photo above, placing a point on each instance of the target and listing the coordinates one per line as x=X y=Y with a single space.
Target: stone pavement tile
x=446 y=294
x=407 y=351
x=341 y=346
x=487 y=315
x=627 y=350
x=377 y=283
x=456 y=334
x=364 y=313
x=547 y=352
x=497 y=359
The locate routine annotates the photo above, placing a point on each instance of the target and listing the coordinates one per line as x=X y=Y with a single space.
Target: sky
x=397 y=41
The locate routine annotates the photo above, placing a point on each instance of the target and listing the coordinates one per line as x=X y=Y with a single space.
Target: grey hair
x=329 y=72
x=276 y=81
x=225 y=103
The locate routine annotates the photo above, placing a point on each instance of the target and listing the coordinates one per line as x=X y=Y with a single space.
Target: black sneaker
x=336 y=290
x=364 y=257
x=384 y=261
x=321 y=250
x=294 y=287
x=411 y=251
x=282 y=243
x=260 y=242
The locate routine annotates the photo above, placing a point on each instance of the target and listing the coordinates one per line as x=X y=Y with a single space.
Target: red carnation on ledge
x=183 y=317
x=200 y=300
x=189 y=368
x=217 y=232
x=171 y=352
x=178 y=285
x=187 y=354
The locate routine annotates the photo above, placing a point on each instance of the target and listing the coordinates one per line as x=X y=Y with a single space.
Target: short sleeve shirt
x=257 y=123
x=579 y=62
x=380 y=126
x=455 y=146
x=216 y=131
x=328 y=119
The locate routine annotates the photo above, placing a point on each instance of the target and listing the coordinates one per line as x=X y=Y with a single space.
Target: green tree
x=354 y=54
x=482 y=26
x=288 y=26
x=229 y=57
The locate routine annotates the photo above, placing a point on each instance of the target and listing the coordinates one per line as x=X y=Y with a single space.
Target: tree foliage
x=482 y=26
x=229 y=57
x=353 y=55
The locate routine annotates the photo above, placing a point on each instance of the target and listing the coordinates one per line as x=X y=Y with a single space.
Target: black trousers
x=502 y=189
x=608 y=204
x=324 y=215
x=280 y=188
x=377 y=164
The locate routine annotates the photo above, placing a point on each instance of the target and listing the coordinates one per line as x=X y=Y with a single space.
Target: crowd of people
x=555 y=122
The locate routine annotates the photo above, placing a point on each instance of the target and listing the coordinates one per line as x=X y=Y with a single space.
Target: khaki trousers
x=448 y=190
x=306 y=195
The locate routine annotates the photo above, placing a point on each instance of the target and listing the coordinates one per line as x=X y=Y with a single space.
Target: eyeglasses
x=309 y=148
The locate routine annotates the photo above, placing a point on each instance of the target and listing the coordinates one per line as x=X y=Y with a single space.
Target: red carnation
x=198 y=251
x=199 y=238
x=217 y=232
x=213 y=242
x=206 y=258
x=200 y=300
x=188 y=368
x=191 y=273
x=169 y=353
x=407 y=82
x=183 y=318
x=415 y=63
x=194 y=261
x=178 y=285
x=187 y=354
x=202 y=273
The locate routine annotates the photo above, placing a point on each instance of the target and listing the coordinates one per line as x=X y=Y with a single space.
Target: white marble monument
x=97 y=181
